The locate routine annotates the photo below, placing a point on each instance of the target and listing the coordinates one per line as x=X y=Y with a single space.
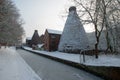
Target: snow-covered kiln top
x=72 y=8
x=74 y=37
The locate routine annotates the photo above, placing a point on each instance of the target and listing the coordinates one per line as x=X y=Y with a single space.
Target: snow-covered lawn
x=103 y=60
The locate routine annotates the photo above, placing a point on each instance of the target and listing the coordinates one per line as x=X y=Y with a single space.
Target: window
x=53 y=36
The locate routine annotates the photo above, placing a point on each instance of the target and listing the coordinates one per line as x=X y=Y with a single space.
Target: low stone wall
x=107 y=73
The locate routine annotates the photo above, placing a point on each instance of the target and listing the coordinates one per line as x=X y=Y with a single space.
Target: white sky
x=42 y=14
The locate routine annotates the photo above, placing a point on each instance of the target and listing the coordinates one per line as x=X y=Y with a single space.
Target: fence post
x=80 y=55
x=83 y=56
x=82 y=51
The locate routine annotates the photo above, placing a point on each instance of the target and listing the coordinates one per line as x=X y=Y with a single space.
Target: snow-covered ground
x=103 y=60
x=13 y=67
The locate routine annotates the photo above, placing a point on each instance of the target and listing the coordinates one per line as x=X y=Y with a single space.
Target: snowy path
x=13 y=67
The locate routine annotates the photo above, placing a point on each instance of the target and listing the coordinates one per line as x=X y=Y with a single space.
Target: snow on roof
x=54 y=31
x=40 y=45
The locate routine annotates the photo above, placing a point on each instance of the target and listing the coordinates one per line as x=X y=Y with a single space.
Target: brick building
x=51 y=39
x=42 y=39
x=35 y=40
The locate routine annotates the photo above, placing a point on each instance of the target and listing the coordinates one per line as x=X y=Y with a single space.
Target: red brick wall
x=51 y=41
x=54 y=42
x=46 y=41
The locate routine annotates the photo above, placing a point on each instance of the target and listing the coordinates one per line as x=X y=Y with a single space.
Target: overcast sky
x=41 y=14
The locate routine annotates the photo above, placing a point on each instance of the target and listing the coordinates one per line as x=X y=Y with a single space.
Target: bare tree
x=11 y=29
x=91 y=9
x=110 y=12
x=100 y=13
